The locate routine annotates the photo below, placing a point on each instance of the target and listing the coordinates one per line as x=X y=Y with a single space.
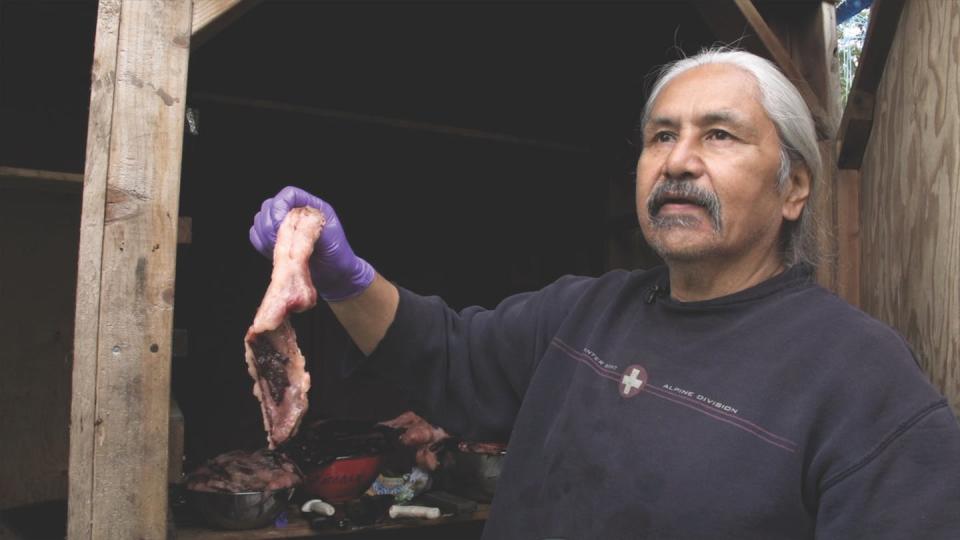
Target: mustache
x=687 y=191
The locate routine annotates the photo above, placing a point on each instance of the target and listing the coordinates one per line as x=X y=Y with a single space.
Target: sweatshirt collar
x=799 y=274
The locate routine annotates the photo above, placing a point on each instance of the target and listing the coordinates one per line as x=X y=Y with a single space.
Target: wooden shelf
x=68 y=182
x=298 y=527
x=36 y=178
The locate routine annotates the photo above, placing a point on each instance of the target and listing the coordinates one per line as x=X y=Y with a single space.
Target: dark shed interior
x=472 y=150
x=549 y=93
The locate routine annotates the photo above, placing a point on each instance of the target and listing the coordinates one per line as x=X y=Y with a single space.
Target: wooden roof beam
x=857 y=120
x=19 y=173
x=377 y=120
x=738 y=21
x=212 y=16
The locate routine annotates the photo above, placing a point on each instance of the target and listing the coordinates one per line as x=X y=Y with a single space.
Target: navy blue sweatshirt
x=779 y=411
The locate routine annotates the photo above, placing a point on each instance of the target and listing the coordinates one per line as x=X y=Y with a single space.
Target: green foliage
x=850 y=36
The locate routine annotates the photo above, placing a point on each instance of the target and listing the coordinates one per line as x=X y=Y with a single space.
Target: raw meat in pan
x=239 y=472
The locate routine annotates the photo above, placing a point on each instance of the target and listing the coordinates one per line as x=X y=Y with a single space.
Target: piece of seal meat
x=273 y=358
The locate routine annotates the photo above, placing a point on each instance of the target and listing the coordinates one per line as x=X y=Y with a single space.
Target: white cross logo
x=633 y=382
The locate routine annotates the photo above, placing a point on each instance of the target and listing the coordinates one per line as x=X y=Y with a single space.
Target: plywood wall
x=38 y=268
x=910 y=273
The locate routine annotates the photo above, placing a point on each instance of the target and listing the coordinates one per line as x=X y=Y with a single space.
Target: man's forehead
x=713 y=92
x=705 y=116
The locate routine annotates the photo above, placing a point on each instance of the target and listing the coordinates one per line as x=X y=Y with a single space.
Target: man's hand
x=338 y=274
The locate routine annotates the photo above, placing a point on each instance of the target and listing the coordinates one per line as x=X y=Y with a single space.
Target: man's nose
x=684 y=161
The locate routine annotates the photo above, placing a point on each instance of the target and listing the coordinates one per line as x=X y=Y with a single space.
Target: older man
x=725 y=395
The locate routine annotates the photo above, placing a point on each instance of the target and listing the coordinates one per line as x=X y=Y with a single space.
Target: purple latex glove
x=338 y=274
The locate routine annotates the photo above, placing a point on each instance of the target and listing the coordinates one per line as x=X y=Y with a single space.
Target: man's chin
x=684 y=255
x=682 y=246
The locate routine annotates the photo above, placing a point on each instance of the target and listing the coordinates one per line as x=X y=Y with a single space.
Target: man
x=723 y=396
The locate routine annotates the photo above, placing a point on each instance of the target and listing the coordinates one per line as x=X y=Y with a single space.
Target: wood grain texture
x=41 y=181
x=41 y=175
x=212 y=16
x=848 y=235
x=207 y=11
x=86 y=326
x=125 y=306
x=910 y=193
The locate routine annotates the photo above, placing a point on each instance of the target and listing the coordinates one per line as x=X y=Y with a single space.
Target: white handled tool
x=318 y=507
x=414 y=511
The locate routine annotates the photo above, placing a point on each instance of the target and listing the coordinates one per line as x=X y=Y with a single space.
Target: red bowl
x=342 y=479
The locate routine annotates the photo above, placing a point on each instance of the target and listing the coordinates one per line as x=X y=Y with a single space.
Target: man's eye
x=662 y=136
x=721 y=135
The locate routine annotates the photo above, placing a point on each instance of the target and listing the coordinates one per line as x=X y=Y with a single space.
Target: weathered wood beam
x=212 y=16
x=739 y=22
x=848 y=235
x=857 y=121
x=41 y=175
x=86 y=325
x=346 y=116
x=121 y=372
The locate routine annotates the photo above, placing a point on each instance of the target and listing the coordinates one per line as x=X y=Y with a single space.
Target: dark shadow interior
x=469 y=149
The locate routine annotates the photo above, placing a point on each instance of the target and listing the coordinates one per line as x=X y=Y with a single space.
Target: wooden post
x=121 y=373
x=848 y=235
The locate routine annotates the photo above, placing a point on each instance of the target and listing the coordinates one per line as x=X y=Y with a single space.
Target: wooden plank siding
x=124 y=312
x=910 y=192
x=37 y=289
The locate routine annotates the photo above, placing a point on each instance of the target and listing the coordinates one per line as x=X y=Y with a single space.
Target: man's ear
x=797 y=193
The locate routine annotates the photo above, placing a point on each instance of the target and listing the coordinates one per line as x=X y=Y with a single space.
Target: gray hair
x=795 y=126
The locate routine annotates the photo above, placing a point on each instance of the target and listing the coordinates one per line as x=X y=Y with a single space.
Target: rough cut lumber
x=86 y=326
x=372 y=119
x=910 y=192
x=848 y=235
x=212 y=16
x=120 y=412
x=36 y=174
x=41 y=180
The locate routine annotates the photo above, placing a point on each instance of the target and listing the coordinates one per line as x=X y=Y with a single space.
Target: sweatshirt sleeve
x=908 y=486
x=468 y=371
